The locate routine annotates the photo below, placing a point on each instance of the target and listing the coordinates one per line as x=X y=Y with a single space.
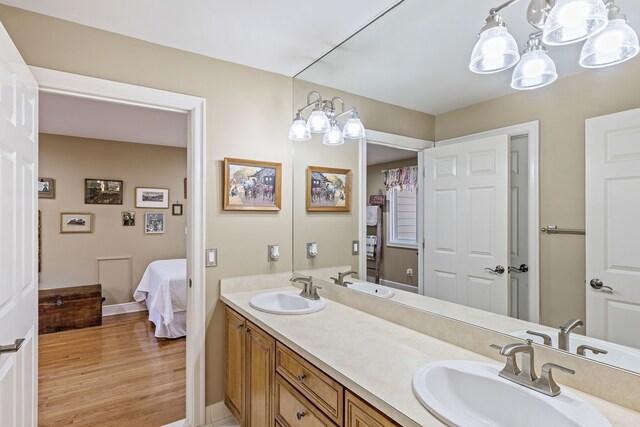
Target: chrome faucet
x=340 y=280
x=527 y=376
x=309 y=290
x=565 y=332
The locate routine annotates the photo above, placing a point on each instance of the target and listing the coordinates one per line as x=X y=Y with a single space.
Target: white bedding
x=163 y=288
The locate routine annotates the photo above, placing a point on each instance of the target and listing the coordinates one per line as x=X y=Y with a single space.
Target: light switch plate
x=211 y=257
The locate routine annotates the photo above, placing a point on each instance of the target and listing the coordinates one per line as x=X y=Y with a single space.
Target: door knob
x=498 y=270
x=12 y=348
x=598 y=285
x=522 y=269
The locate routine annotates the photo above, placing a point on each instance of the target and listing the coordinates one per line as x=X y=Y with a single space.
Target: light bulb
x=535 y=70
x=298 y=130
x=333 y=136
x=318 y=121
x=571 y=21
x=496 y=50
x=616 y=44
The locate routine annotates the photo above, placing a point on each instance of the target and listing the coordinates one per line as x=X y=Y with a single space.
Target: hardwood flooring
x=117 y=374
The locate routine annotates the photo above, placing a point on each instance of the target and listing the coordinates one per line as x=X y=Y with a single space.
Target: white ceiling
x=377 y=154
x=417 y=55
x=282 y=36
x=72 y=116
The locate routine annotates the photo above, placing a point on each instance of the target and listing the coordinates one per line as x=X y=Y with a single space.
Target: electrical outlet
x=410 y=272
x=312 y=250
x=273 y=252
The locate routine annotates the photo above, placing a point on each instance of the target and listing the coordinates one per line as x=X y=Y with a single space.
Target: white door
x=613 y=227
x=466 y=223
x=18 y=237
x=519 y=200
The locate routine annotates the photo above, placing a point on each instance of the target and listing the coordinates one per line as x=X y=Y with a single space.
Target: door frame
x=405 y=143
x=531 y=130
x=57 y=82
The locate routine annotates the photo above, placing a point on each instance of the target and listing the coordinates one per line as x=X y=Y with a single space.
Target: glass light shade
x=571 y=21
x=496 y=50
x=617 y=43
x=535 y=70
x=318 y=122
x=333 y=136
x=353 y=128
x=299 y=131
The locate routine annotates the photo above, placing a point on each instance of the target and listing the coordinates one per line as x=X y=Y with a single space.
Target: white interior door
x=519 y=244
x=466 y=223
x=18 y=238
x=613 y=227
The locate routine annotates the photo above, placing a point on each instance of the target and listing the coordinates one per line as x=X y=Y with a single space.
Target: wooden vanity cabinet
x=250 y=370
x=270 y=385
x=358 y=413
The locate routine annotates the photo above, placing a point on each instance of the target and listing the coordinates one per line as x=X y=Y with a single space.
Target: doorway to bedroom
x=112 y=262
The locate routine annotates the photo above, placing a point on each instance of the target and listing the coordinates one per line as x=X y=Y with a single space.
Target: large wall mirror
x=523 y=156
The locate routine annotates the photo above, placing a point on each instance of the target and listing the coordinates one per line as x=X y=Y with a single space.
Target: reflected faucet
x=565 y=332
x=340 y=280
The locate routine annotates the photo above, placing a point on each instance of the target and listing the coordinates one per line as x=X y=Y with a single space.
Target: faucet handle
x=314 y=292
x=546 y=338
x=336 y=281
x=546 y=381
x=511 y=366
x=581 y=349
x=496 y=346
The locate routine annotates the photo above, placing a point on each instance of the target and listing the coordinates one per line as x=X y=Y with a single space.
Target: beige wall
x=236 y=95
x=561 y=109
x=71 y=259
x=334 y=232
x=395 y=261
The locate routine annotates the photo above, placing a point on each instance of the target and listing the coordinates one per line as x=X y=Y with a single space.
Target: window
x=402 y=226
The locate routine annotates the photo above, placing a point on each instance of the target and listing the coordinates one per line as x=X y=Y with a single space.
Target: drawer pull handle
x=301 y=377
x=59 y=302
x=238 y=326
x=248 y=331
x=300 y=415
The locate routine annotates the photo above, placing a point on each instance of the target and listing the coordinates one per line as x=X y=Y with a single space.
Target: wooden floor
x=117 y=374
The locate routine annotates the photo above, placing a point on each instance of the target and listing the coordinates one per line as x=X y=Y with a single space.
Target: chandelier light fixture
x=324 y=119
x=609 y=40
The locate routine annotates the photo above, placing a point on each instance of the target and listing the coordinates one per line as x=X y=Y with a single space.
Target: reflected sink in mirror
x=468 y=394
x=619 y=355
x=372 y=289
x=288 y=302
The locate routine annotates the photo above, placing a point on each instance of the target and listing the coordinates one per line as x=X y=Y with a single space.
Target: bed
x=163 y=289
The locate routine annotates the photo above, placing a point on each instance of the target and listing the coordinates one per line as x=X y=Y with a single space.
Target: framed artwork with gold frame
x=328 y=189
x=251 y=185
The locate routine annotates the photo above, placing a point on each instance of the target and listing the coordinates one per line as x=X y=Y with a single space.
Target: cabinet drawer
x=293 y=410
x=361 y=414
x=314 y=384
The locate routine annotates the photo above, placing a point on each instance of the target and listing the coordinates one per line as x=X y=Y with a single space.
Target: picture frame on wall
x=46 y=188
x=176 y=209
x=251 y=185
x=128 y=218
x=76 y=222
x=328 y=189
x=154 y=223
x=103 y=191
x=152 y=198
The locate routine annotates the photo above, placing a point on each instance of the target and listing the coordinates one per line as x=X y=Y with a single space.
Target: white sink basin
x=289 y=302
x=468 y=394
x=372 y=289
x=619 y=355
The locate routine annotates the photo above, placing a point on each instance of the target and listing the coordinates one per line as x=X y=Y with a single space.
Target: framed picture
x=252 y=185
x=328 y=189
x=176 y=209
x=154 y=198
x=154 y=222
x=75 y=222
x=128 y=218
x=102 y=191
x=46 y=188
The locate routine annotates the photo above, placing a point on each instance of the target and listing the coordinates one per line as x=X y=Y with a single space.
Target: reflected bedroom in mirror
x=498 y=190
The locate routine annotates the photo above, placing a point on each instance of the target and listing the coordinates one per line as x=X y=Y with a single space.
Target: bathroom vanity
x=341 y=366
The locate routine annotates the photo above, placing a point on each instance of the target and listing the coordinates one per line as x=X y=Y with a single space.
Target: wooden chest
x=69 y=308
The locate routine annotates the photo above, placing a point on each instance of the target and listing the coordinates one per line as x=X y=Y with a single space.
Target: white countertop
x=375 y=358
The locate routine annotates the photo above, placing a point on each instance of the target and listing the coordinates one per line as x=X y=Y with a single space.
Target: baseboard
x=216 y=412
x=127 y=307
x=395 y=285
